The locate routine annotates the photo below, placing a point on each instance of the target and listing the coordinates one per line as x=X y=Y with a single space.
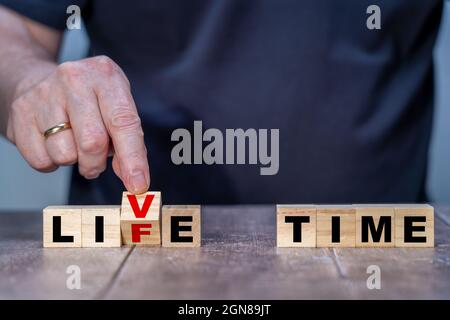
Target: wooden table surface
x=238 y=260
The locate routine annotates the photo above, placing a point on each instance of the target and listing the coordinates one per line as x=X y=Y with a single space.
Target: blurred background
x=23 y=188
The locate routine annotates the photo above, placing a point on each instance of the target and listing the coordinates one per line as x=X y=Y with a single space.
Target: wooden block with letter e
x=62 y=227
x=414 y=225
x=375 y=226
x=181 y=226
x=100 y=226
x=140 y=219
x=296 y=225
x=336 y=226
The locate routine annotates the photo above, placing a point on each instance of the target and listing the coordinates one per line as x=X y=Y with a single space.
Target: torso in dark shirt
x=353 y=105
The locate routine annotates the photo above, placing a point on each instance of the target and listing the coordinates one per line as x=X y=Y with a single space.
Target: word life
x=140 y=220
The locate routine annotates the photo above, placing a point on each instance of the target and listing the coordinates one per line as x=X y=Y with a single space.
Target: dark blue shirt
x=353 y=105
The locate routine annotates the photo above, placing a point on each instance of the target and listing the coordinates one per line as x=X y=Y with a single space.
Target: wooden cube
x=414 y=225
x=296 y=225
x=62 y=227
x=181 y=226
x=100 y=226
x=375 y=226
x=336 y=226
x=140 y=219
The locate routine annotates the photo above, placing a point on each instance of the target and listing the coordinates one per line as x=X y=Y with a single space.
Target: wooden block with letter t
x=100 y=226
x=375 y=226
x=140 y=219
x=181 y=226
x=62 y=227
x=336 y=226
x=414 y=225
x=296 y=226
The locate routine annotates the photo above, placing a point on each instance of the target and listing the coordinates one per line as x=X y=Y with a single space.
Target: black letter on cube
x=57 y=237
x=175 y=229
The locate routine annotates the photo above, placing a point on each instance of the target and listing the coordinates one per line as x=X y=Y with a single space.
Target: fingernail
x=92 y=176
x=138 y=182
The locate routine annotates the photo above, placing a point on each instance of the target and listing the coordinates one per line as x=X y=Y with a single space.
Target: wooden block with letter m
x=375 y=226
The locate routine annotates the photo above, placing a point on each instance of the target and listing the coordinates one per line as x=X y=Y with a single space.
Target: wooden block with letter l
x=100 y=226
x=336 y=226
x=375 y=226
x=414 y=226
x=181 y=226
x=62 y=227
x=140 y=219
x=296 y=226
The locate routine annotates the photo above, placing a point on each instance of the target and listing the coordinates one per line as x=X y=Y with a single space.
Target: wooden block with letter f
x=181 y=226
x=140 y=219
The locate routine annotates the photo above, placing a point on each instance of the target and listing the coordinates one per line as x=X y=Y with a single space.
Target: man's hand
x=93 y=95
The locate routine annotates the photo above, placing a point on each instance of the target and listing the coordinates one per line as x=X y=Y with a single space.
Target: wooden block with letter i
x=181 y=226
x=296 y=226
x=100 y=226
x=140 y=219
x=62 y=227
x=414 y=226
x=374 y=226
x=336 y=226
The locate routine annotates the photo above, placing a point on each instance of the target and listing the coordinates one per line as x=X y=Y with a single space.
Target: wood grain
x=238 y=259
x=406 y=273
x=29 y=271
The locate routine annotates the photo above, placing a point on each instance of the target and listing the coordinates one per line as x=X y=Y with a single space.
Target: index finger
x=122 y=121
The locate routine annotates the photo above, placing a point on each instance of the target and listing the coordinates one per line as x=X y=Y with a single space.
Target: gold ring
x=58 y=128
